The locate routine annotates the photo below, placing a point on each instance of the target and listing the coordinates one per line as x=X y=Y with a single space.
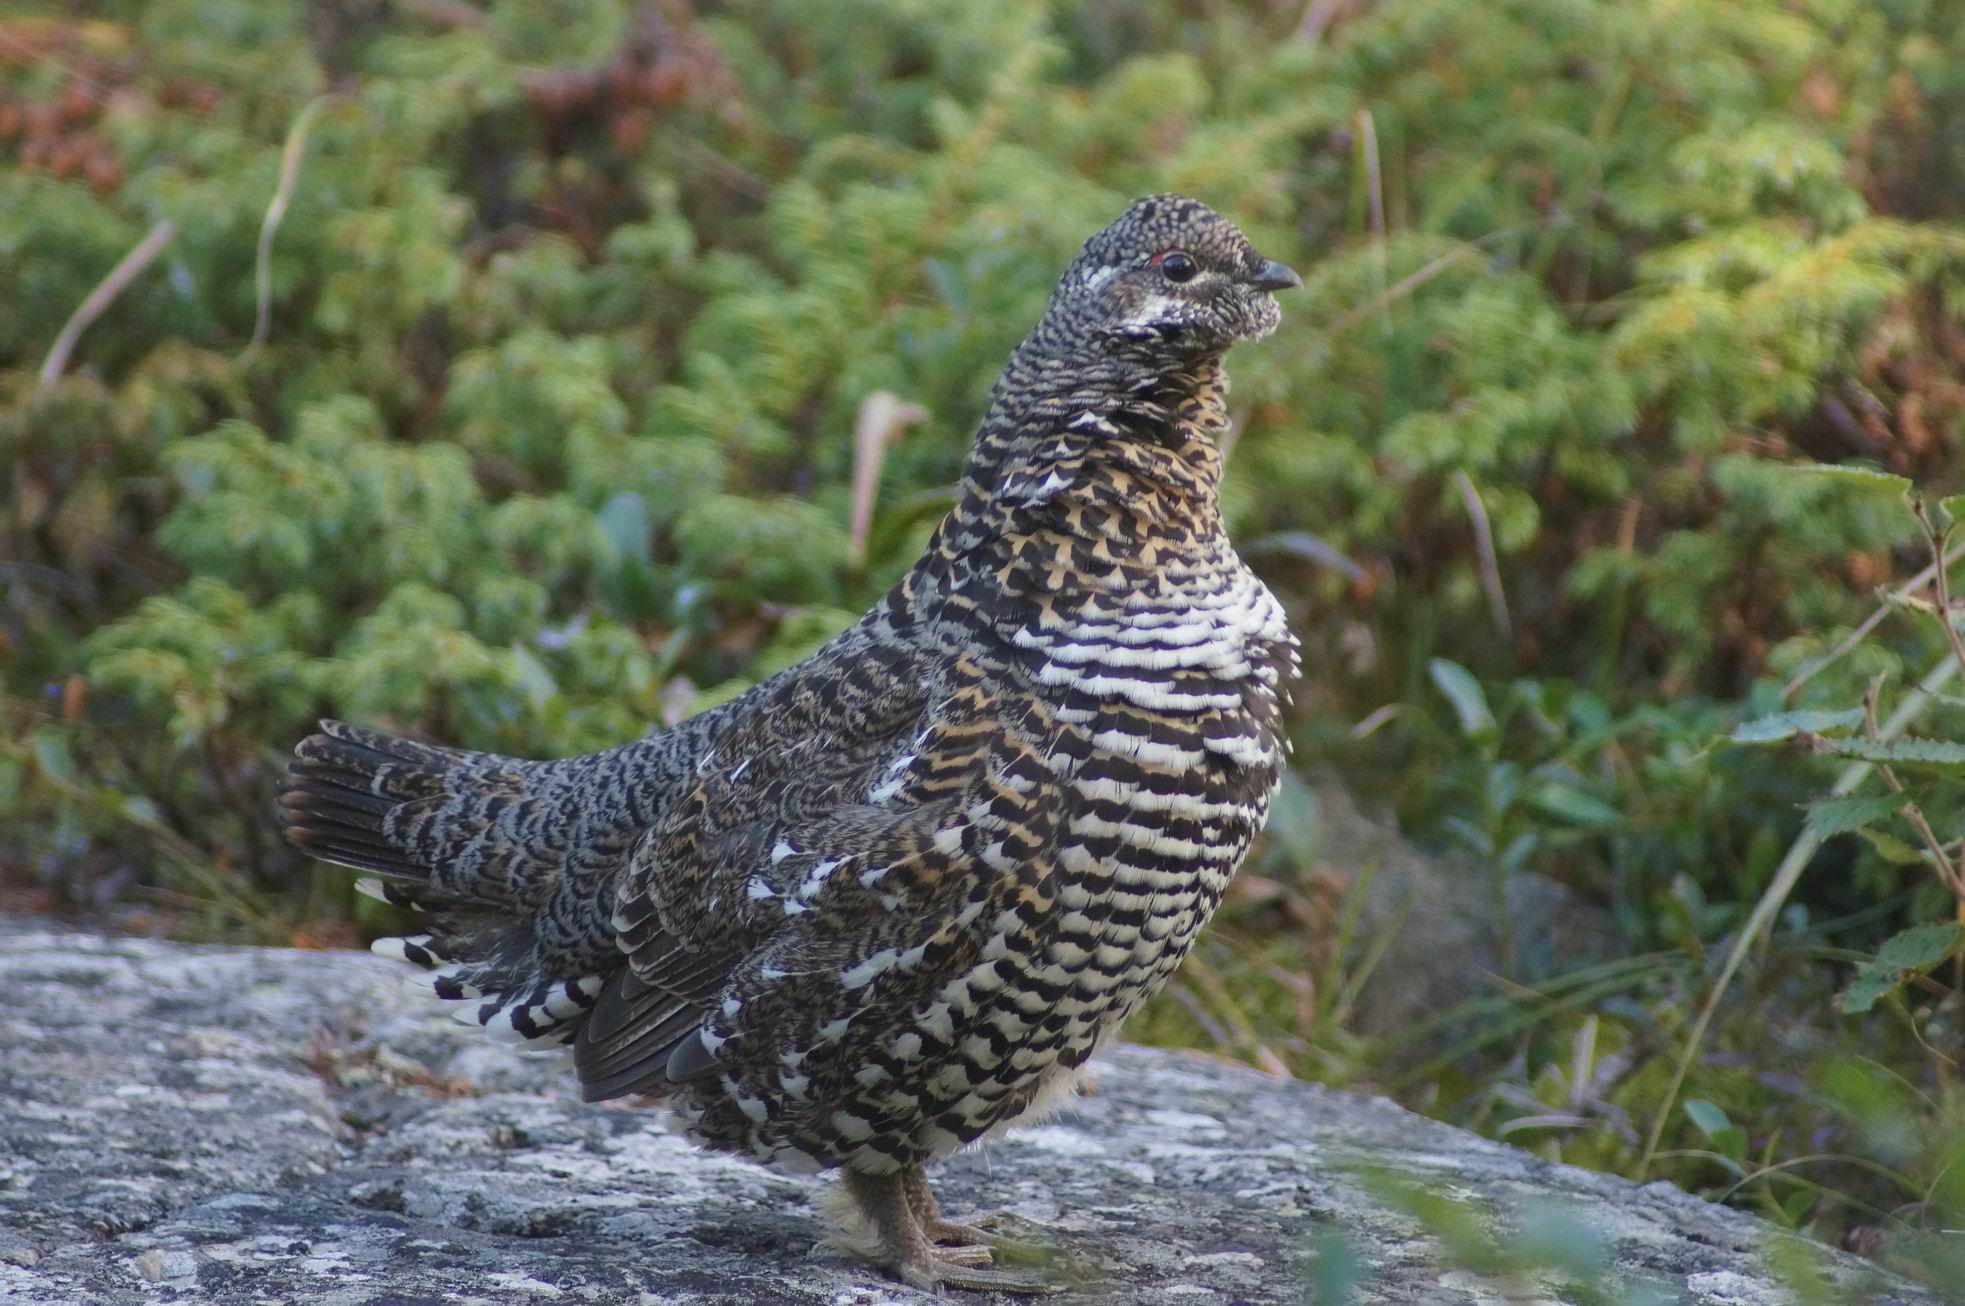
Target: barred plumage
x=891 y=900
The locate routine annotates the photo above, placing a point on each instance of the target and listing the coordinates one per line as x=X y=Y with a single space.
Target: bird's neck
x=1113 y=435
x=1079 y=492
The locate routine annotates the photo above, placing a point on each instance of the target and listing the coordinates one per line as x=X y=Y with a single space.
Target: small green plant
x=1899 y=789
x=1537 y=1250
x=1903 y=795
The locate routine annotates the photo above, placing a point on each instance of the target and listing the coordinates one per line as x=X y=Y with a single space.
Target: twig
x=276 y=212
x=1375 y=200
x=1939 y=992
x=1317 y=16
x=1941 y=582
x=52 y=577
x=1583 y=1061
x=1412 y=281
x=127 y=270
x=1209 y=983
x=1786 y=875
x=1860 y=633
x=742 y=182
x=1840 y=1158
x=1194 y=1007
x=15 y=45
x=883 y=419
x=1940 y=578
x=1405 y=286
x=1375 y=718
x=1497 y=599
x=1910 y=810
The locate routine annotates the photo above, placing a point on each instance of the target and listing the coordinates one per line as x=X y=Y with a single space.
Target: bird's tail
x=470 y=841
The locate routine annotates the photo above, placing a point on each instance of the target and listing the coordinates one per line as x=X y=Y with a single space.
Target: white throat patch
x=1155 y=309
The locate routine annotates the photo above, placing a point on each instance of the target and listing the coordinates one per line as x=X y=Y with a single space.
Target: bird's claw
x=950 y=1233
x=959 y=1267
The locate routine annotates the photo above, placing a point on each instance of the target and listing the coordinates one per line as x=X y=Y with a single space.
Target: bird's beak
x=1273 y=276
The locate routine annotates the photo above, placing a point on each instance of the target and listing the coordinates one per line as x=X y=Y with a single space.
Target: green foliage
x=1787 y=725
x=549 y=439
x=1907 y=954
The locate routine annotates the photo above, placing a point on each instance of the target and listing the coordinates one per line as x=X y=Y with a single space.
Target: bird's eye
x=1176 y=266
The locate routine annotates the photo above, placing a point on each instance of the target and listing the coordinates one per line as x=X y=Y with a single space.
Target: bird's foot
x=983 y=1242
x=950 y=1233
x=940 y=1231
x=934 y=1269
x=926 y=1251
x=961 y=1267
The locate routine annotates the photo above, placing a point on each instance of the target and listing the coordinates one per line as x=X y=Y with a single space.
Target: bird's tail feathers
x=492 y=965
x=379 y=803
x=445 y=828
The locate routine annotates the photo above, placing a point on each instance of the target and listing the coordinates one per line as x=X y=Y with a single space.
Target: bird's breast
x=1170 y=699
x=1180 y=669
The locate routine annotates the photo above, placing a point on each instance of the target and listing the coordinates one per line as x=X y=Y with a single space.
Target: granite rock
x=237 y=1125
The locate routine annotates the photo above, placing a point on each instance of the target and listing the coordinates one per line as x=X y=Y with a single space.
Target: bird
x=891 y=900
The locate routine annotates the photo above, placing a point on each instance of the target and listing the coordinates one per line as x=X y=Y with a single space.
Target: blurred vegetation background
x=499 y=372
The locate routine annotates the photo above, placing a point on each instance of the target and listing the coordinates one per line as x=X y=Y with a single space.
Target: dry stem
x=128 y=269
x=276 y=212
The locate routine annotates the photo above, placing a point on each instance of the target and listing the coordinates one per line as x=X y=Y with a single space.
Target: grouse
x=889 y=901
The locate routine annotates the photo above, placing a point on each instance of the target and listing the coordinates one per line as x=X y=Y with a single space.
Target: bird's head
x=1172 y=279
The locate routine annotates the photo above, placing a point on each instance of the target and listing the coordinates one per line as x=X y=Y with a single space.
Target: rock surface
x=234 y=1125
x=1429 y=932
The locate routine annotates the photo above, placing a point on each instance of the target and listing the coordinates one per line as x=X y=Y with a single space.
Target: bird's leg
x=937 y=1229
x=904 y=1246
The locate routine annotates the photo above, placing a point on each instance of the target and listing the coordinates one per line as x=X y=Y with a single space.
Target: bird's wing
x=808 y=877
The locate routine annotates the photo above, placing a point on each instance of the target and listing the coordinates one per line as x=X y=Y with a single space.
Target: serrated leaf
x=1786 y=725
x=1832 y=816
x=1954 y=506
x=1941 y=755
x=1864 y=477
x=1902 y=957
x=1892 y=849
x=1464 y=693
